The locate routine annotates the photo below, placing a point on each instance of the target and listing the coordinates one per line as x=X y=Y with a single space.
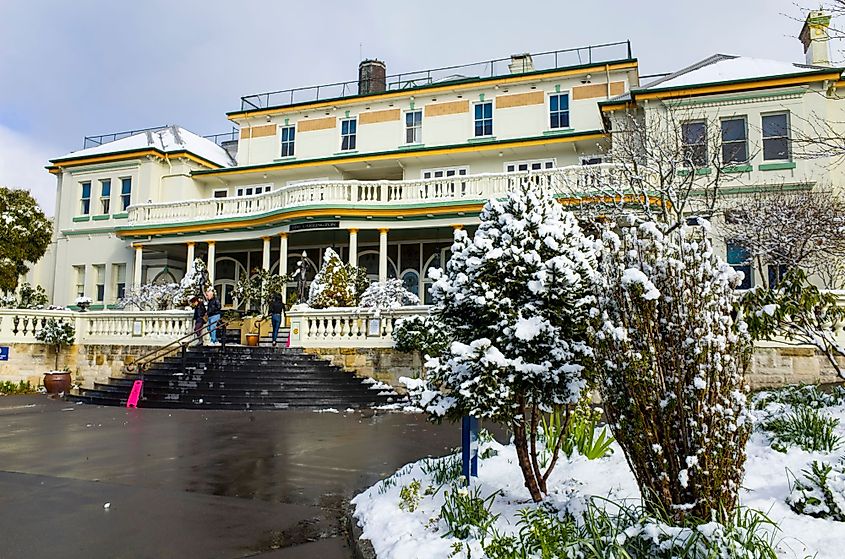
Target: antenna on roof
x=360 y=52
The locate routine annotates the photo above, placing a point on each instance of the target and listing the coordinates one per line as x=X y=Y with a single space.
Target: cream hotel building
x=382 y=169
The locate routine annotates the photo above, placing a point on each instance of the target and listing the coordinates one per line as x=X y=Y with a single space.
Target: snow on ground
x=401 y=534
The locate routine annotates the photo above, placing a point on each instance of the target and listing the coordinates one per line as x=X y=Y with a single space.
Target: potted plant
x=83 y=303
x=57 y=334
x=255 y=293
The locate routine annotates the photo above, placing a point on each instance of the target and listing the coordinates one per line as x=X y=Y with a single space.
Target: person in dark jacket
x=199 y=317
x=277 y=308
x=213 y=310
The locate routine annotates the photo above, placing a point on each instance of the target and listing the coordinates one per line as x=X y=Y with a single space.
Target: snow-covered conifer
x=516 y=300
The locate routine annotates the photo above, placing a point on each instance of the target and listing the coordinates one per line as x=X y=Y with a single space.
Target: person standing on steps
x=277 y=308
x=213 y=309
x=199 y=317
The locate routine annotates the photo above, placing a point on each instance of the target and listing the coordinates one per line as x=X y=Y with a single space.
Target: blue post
x=469 y=447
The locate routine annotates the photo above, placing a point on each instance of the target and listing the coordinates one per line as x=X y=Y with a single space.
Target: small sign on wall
x=4 y=353
x=374 y=327
x=137 y=328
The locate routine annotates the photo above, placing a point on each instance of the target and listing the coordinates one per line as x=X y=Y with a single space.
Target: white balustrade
x=99 y=327
x=579 y=179
x=347 y=327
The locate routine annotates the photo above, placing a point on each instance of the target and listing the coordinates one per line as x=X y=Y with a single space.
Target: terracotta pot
x=56 y=383
x=252 y=340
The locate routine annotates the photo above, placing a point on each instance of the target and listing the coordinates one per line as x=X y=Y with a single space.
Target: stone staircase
x=238 y=378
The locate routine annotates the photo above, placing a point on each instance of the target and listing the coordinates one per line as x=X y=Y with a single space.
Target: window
x=118 y=281
x=776 y=273
x=694 y=139
x=413 y=127
x=105 y=195
x=447 y=188
x=125 y=193
x=559 y=111
x=448 y=172
x=536 y=165
x=79 y=276
x=484 y=119
x=740 y=260
x=734 y=140
x=221 y=193
x=85 y=207
x=250 y=190
x=288 y=137
x=776 y=137
x=348 y=129
x=100 y=285
x=592 y=160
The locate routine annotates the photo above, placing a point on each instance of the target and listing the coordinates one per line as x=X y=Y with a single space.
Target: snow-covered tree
x=337 y=284
x=388 y=295
x=516 y=299
x=670 y=357
x=257 y=290
x=153 y=297
x=791 y=229
x=58 y=334
x=24 y=235
x=194 y=284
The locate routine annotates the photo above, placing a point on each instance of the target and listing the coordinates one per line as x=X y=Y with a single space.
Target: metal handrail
x=140 y=364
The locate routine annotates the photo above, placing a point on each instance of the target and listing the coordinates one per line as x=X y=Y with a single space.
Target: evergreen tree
x=24 y=235
x=516 y=300
x=337 y=284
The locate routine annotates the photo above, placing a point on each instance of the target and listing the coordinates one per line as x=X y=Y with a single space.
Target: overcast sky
x=74 y=68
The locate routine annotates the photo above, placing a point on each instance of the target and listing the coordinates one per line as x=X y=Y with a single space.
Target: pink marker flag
x=132 y=402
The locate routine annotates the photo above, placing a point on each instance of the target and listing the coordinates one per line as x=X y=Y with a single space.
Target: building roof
x=169 y=139
x=721 y=68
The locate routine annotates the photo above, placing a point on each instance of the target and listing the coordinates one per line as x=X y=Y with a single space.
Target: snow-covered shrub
x=467 y=513
x=409 y=496
x=388 y=295
x=516 y=299
x=803 y=427
x=194 y=284
x=422 y=333
x=799 y=395
x=256 y=291
x=337 y=284
x=153 y=297
x=28 y=297
x=670 y=358
x=57 y=333
x=821 y=492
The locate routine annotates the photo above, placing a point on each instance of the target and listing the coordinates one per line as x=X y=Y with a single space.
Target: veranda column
x=353 y=247
x=265 y=261
x=191 y=256
x=382 y=254
x=283 y=261
x=139 y=261
x=210 y=263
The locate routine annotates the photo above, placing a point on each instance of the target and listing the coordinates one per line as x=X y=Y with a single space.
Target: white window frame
x=83 y=199
x=405 y=128
x=216 y=191
x=544 y=165
x=99 y=281
x=492 y=119
x=105 y=201
x=444 y=170
x=125 y=207
x=788 y=136
x=722 y=143
x=282 y=142
x=355 y=135
x=79 y=273
x=116 y=270
x=568 y=110
x=255 y=188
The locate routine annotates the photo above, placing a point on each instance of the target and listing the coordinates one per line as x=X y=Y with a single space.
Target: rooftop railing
x=100 y=139
x=590 y=54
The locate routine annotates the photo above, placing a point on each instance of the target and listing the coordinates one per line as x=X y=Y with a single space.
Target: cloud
x=22 y=162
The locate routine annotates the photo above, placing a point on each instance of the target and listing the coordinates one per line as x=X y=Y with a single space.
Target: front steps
x=238 y=378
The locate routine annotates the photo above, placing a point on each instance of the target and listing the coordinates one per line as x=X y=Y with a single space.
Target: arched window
x=368 y=259
x=164 y=277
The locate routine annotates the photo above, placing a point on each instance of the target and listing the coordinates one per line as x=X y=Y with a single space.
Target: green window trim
x=101 y=217
x=698 y=171
x=291 y=158
x=777 y=166
x=81 y=218
x=738 y=169
x=124 y=215
x=346 y=152
x=481 y=139
x=558 y=131
x=411 y=146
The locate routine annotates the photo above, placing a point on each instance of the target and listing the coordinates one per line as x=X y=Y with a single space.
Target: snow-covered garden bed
x=404 y=516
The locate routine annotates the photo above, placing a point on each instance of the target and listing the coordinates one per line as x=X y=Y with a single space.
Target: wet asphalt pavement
x=192 y=484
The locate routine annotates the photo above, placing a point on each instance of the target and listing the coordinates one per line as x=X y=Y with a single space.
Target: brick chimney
x=815 y=38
